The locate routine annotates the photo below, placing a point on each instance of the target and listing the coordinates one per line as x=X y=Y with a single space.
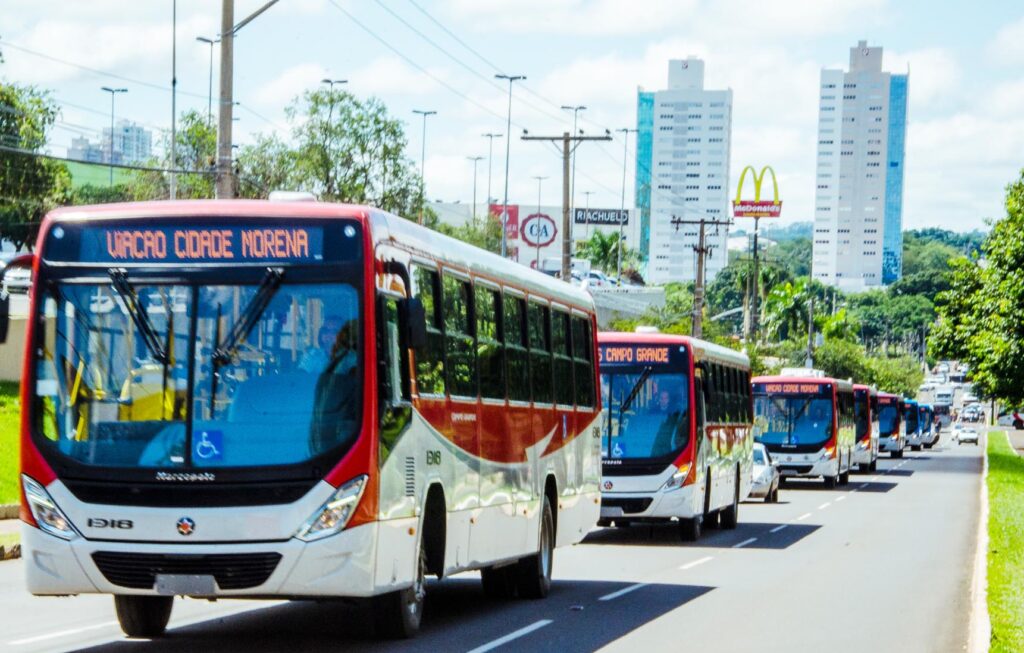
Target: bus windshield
x=646 y=392
x=137 y=373
x=910 y=418
x=861 y=414
x=888 y=418
x=792 y=420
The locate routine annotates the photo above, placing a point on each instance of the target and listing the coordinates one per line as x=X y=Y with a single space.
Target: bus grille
x=629 y=506
x=232 y=571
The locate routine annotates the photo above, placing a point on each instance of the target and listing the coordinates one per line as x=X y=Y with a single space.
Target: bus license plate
x=185 y=585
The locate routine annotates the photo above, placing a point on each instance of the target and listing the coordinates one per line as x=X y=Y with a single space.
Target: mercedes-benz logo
x=186 y=526
x=608 y=485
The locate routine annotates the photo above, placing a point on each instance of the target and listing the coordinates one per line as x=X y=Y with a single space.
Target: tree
x=30 y=184
x=602 y=250
x=266 y=165
x=842 y=359
x=900 y=375
x=980 y=318
x=196 y=152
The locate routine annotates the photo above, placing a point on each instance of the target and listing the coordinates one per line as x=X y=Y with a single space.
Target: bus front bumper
x=649 y=506
x=339 y=565
x=889 y=445
x=801 y=467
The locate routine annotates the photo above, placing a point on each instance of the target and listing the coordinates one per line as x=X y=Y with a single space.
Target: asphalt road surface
x=882 y=564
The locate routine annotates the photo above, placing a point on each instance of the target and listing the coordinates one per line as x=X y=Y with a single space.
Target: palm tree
x=786 y=309
x=602 y=250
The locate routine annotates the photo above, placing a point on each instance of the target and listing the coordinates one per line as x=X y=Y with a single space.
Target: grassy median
x=1006 y=545
x=9 y=416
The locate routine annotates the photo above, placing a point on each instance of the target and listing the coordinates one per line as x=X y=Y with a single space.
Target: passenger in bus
x=338 y=394
x=670 y=435
x=334 y=341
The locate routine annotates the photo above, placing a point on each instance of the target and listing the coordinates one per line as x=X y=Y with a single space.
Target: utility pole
x=575 y=118
x=113 y=93
x=586 y=210
x=508 y=143
x=490 y=157
x=754 y=297
x=475 y=160
x=174 y=99
x=622 y=209
x=569 y=145
x=540 y=180
x=423 y=157
x=209 y=98
x=225 y=178
x=702 y=250
x=809 y=363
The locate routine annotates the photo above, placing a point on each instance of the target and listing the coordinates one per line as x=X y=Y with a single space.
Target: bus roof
x=840 y=383
x=702 y=348
x=870 y=388
x=208 y=208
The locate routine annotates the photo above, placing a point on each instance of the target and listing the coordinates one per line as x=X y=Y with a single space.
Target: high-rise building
x=82 y=149
x=682 y=171
x=858 y=217
x=132 y=143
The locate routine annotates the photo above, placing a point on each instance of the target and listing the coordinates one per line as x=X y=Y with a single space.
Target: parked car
x=966 y=434
x=16 y=280
x=765 y=476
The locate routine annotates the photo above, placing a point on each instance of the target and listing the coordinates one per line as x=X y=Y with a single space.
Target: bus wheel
x=831 y=481
x=397 y=615
x=844 y=478
x=915 y=447
x=729 y=516
x=143 y=616
x=689 y=529
x=499 y=582
x=533 y=573
x=873 y=467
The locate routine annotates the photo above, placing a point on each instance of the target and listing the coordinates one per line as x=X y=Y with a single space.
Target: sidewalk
x=9 y=526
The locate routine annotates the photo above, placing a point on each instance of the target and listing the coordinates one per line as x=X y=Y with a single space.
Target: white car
x=17 y=280
x=766 y=476
x=966 y=434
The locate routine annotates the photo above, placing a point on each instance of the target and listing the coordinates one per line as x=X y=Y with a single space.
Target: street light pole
x=113 y=92
x=423 y=157
x=572 y=183
x=490 y=156
x=622 y=209
x=475 y=160
x=586 y=211
x=540 y=180
x=508 y=142
x=174 y=98
x=209 y=100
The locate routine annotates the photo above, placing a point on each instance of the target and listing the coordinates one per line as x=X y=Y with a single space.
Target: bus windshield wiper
x=140 y=317
x=225 y=350
x=624 y=406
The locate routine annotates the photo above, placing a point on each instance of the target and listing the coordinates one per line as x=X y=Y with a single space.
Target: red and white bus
x=677 y=442
x=807 y=423
x=294 y=399
x=865 y=410
x=890 y=424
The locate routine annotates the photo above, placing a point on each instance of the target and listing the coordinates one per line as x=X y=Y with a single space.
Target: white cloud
x=1007 y=47
x=933 y=72
x=592 y=17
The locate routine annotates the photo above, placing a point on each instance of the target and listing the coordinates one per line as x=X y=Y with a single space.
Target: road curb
x=979 y=635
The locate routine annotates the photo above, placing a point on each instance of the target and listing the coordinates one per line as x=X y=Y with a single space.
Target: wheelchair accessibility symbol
x=209 y=445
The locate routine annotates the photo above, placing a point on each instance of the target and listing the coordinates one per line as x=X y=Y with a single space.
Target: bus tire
x=499 y=582
x=873 y=467
x=729 y=516
x=915 y=447
x=689 y=529
x=844 y=477
x=831 y=481
x=143 y=616
x=397 y=615
x=533 y=573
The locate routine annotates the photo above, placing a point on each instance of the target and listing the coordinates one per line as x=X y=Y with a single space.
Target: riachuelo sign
x=757 y=208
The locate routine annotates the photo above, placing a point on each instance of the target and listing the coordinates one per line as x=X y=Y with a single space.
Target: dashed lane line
x=803 y=516
x=61 y=633
x=840 y=498
x=825 y=505
x=744 y=543
x=862 y=486
x=691 y=565
x=778 y=528
x=495 y=643
x=623 y=591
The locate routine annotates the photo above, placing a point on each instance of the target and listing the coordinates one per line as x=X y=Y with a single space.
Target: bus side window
x=714 y=394
x=430 y=359
x=564 y=393
x=490 y=349
x=517 y=359
x=538 y=326
x=698 y=394
x=748 y=399
x=460 y=352
x=393 y=374
x=583 y=362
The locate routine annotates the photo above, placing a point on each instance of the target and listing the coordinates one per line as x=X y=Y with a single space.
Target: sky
x=965 y=137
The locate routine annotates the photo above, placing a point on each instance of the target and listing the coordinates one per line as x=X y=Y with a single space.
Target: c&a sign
x=757 y=208
x=538 y=230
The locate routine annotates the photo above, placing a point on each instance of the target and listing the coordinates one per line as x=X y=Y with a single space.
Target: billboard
x=538 y=230
x=601 y=216
x=757 y=208
x=512 y=223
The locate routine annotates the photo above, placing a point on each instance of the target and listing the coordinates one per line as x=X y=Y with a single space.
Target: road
x=882 y=564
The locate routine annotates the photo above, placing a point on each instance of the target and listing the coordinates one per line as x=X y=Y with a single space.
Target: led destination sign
x=792 y=388
x=190 y=244
x=646 y=355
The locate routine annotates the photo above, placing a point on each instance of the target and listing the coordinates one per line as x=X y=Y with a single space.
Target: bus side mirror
x=413 y=319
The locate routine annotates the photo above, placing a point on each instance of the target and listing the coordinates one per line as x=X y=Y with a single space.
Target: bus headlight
x=678 y=478
x=828 y=452
x=48 y=516
x=333 y=515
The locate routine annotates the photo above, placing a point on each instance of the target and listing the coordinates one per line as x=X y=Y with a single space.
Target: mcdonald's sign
x=757 y=208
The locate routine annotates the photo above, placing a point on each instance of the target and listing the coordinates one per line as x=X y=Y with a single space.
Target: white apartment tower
x=682 y=172
x=858 y=217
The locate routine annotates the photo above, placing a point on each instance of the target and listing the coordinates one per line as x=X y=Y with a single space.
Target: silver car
x=966 y=434
x=766 y=476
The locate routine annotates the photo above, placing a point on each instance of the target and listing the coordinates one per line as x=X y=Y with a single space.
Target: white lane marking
x=61 y=633
x=744 y=543
x=778 y=528
x=691 y=565
x=873 y=479
x=624 y=590
x=803 y=516
x=862 y=486
x=825 y=505
x=495 y=643
x=838 y=499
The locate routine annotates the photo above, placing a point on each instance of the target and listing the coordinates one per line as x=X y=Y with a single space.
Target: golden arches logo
x=757 y=208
